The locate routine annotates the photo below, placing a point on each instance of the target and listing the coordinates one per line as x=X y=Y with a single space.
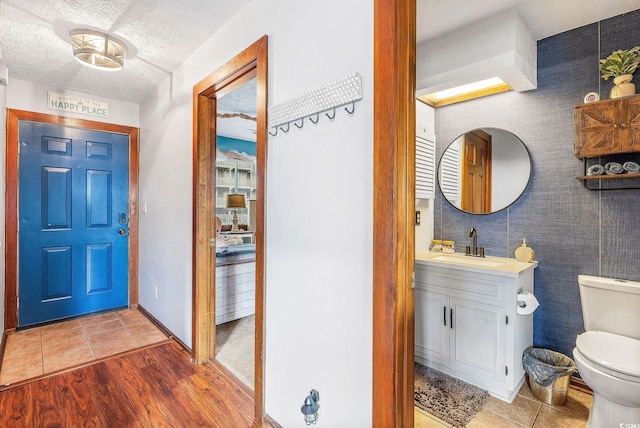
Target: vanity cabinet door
x=479 y=338
x=432 y=325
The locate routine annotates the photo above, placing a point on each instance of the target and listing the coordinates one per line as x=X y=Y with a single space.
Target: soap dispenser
x=524 y=253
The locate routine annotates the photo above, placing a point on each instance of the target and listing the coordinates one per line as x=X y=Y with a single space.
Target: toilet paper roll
x=527 y=303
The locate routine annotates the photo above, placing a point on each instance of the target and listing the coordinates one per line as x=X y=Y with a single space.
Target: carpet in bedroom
x=235 y=342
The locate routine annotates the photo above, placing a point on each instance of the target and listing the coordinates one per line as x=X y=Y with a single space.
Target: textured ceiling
x=160 y=35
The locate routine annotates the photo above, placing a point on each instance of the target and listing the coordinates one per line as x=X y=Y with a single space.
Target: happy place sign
x=79 y=105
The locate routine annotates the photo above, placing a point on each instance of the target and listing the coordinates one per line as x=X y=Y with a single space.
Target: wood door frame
x=250 y=63
x=393 y=212
x=11 y=201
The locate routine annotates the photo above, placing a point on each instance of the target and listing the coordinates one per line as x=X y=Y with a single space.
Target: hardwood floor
x=153 y=387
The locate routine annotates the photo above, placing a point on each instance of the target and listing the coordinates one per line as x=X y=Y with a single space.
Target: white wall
x=318 y=250
x=511 y=168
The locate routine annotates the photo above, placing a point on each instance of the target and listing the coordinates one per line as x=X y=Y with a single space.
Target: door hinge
x=19 y=144
x=506 y=370
x=506 y=319
x=212 y=242
x=413 y=280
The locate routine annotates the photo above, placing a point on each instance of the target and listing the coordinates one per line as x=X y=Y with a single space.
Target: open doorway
x=210 y=96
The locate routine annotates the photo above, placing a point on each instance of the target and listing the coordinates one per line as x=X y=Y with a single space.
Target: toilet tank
x=611 y=305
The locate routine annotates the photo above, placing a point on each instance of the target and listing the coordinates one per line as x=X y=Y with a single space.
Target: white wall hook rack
x=343 y=92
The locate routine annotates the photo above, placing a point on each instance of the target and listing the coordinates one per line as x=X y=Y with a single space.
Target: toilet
x=607 y=354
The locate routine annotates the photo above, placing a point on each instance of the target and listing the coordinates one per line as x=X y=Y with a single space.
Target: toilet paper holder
x=527 y=302
x=521 y=303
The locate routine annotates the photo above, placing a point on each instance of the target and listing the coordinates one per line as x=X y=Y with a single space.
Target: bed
x=235 y=282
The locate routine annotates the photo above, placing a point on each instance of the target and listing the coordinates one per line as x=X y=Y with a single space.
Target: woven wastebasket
x=549 y=374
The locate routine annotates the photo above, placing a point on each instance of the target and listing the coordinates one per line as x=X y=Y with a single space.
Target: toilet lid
x=612 y=351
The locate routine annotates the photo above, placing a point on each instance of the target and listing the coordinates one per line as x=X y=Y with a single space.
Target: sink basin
x=468 y=260
x=493 y=265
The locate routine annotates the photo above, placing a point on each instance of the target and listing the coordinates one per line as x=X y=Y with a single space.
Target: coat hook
x=301 y=124
x=334 y=114
x=288 y=123
x=275 y=133
x=317 y=119
x=353 y=108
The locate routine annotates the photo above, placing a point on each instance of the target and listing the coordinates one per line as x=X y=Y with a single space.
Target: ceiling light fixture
x=466 y=92
x=98 y=50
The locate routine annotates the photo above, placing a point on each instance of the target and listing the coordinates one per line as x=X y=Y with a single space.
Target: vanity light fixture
x=98 y=50
x=235 y=201
x=310 y=407
x=466 y=92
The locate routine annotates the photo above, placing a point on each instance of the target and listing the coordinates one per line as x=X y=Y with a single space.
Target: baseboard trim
x=269 y=422
x=5 y=335
x=163 y=328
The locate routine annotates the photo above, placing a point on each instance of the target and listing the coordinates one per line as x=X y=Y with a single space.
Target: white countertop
x=501 y=266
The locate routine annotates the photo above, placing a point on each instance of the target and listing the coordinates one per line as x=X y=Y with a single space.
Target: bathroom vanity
x=466 y=320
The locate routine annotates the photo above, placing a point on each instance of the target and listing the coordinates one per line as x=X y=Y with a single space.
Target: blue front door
x=73 y=225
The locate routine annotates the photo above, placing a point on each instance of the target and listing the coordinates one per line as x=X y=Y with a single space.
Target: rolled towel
x=596 y=169
x=611 y=168
x=631 y=167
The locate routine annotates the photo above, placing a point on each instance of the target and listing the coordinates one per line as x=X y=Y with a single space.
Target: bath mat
x=449 y=399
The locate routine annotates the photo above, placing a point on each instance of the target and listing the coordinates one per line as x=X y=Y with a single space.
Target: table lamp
x=234 y=202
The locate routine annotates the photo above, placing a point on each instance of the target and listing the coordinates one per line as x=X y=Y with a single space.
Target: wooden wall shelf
x=607 y=177
x=611 y=182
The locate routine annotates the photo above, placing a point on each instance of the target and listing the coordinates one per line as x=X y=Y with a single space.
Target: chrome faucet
x=473 y=249
x=474 y=237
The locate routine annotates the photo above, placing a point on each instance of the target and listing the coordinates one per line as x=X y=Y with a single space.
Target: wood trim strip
x=262 y=68
x=11 y=201
x=203 y=296
x=3 y=346
x=134 y=216
x=394 y=205
x=11 y=223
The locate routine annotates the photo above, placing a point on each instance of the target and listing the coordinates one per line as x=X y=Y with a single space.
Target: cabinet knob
x=624 y=125
x=616 y=126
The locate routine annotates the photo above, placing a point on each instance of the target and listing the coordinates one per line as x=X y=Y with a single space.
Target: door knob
x=122 y=231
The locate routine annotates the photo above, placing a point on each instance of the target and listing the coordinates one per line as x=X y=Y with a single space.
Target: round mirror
x=484 y=170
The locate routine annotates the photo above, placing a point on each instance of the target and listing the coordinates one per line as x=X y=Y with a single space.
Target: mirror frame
x=250 y=63
x=524 y=188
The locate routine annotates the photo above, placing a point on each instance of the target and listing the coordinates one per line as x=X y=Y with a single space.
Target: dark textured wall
x=572 y=230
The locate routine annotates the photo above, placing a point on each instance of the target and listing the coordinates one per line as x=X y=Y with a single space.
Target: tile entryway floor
x=525 y=411
x=42 y=350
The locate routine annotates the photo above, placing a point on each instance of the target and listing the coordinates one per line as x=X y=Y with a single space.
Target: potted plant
x=620 y=65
